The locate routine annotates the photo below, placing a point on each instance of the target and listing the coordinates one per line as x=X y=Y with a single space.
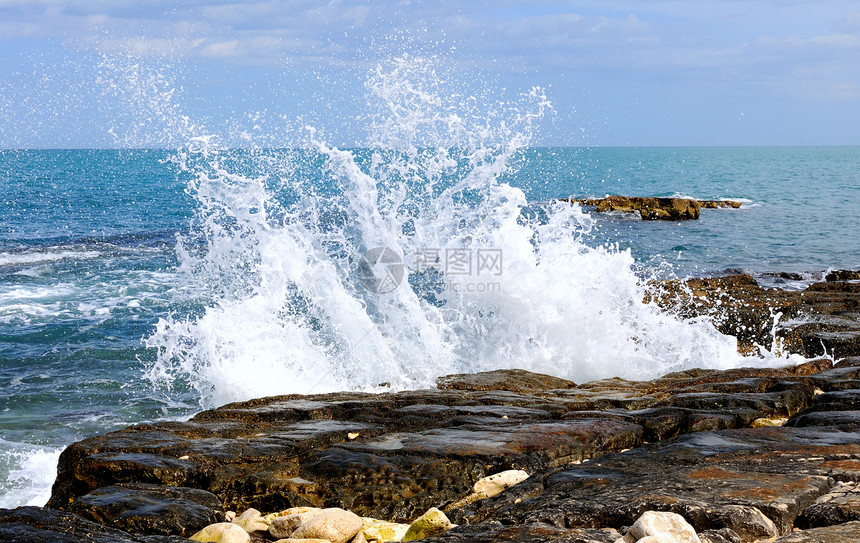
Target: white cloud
x=849 y=22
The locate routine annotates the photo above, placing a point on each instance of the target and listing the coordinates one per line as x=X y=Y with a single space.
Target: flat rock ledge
x=741 y=455
x=654 y=208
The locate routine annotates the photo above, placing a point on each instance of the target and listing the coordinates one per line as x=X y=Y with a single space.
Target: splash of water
x=29 y=473
x=280 y=239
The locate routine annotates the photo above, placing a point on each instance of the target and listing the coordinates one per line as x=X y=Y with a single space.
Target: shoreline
x=395 y=455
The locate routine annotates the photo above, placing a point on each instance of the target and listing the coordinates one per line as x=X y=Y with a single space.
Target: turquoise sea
x=147 y=284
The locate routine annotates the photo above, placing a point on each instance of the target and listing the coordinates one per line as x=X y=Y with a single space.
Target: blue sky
x=650 y=72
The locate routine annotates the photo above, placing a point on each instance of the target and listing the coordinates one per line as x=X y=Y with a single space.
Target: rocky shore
x=746 y=454
x=821 y=319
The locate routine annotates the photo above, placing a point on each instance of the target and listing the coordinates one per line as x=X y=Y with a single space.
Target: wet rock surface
x=599 y=456
x=42 y=525
x=393 y=456
x=822 y=319
x=150 y=509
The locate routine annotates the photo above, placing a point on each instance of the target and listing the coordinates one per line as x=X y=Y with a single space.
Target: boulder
x=252 y=521
x=840 y=505
x=283 y=526
x=431 y=523
x=725 y=535
x=332 y=524
x=494 y=484
x=663 y=526
x=375 y=530
x=222 y=532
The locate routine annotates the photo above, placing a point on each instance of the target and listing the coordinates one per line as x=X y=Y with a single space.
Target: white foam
x=32 y=471
x=17 y=259
x=20 y=293
x=290 y=312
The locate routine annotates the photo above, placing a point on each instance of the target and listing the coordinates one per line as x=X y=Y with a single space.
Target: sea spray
x=279 y=239
x=28 y=473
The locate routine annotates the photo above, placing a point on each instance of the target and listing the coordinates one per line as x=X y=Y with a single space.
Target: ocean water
x=138 y=285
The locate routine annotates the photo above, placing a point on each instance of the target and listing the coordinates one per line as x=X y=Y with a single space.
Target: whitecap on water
x=37 y=257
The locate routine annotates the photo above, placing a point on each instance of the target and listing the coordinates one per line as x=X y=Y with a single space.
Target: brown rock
x=840 y=533
x=510 y=380
x=843 y=275
x=715 y=204
x=753 y=481
x=667 y=209
x=840 y=505
x=654 y=208
x=822 y=320
x=150 y=509
x=420 y=449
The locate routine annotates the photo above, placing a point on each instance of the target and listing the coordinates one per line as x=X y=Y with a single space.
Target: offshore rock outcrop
x=654 y=208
